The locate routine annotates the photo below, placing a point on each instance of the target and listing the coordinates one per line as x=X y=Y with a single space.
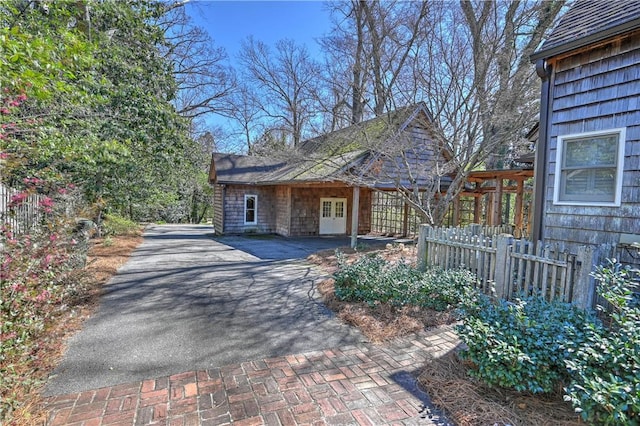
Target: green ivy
x=520 y=345
x=605 y=361
x=373 y=280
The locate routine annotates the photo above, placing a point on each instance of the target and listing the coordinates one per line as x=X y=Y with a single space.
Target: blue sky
x=230 y=22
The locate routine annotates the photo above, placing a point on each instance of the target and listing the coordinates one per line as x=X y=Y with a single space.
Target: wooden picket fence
x=23 y=217
x=506 y=267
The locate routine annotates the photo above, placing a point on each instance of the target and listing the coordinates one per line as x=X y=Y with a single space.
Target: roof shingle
x=587 y=22
x=324 y=158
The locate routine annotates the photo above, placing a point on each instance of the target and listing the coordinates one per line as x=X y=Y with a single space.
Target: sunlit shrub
x=38 y=276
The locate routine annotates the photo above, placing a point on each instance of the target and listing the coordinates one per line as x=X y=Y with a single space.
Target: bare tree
x=376 y=39
x=245 y=110
x=502 y=35
x=286 y=80
x=203 y=77
x=479 y=84
x=472 y=72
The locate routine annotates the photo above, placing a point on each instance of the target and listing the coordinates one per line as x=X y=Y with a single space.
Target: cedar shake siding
x=587 y=192
x=283 y=210
x=305 y=208
x=364 y=218
x=218 y=209
x=596 y=90
x=234 y=198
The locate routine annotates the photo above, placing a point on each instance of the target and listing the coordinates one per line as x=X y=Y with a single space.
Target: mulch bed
x=466 y=401
x=469 y=402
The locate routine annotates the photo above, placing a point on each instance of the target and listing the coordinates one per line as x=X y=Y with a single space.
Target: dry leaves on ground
x=467 y=402
x=103 y=261
x=470 y=403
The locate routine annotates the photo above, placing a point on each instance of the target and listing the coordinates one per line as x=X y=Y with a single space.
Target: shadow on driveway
x=185 y=301
x=275 y=247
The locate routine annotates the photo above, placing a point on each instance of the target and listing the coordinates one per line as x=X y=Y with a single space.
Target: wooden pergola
x=496 y=183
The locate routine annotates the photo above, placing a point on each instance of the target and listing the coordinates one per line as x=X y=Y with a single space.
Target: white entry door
x=333 y=215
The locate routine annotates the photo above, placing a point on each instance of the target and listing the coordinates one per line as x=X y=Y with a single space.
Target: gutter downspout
x=545 y=72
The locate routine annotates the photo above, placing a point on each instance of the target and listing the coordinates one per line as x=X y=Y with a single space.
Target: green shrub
x=38 y=280
x=117 y=225
x=372 y=279
x=520 y=345
x=605 y=362
x=445 y=289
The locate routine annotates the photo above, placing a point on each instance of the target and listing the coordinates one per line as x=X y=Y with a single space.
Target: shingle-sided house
x=588 y=156
x=313 y=190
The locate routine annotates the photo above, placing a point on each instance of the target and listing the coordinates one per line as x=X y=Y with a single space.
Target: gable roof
x=254 y=170
x=321 y=159
x=367 y=134
x=232 y=168
x=588 y=22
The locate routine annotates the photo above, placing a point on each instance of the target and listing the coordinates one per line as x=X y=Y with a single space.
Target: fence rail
x=506 y=267
x=23 y=217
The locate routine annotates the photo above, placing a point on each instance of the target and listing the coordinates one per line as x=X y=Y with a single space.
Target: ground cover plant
x=605 y=362
x=467 y=400
x=378 y=291
x=520 y=344
x=534 y=346
x=374 y=280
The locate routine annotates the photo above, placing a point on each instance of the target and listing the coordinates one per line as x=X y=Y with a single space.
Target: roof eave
x=277 y=182
x=581 y=42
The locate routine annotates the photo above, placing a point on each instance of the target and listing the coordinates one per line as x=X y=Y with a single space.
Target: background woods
x=117 y=98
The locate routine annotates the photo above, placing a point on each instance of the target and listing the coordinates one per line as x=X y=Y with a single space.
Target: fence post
x=584 y=287
x=502 y=265
x=422 y=247
x=475 y=228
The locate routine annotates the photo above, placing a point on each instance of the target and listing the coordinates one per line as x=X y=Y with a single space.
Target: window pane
x=596 y=151
x=589 y=185
x=326 y=209
x=339 y=209
x=576 y=182
x=250 y=209
x=604 y=181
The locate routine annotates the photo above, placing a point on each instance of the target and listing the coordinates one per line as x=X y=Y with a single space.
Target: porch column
x=496 y=212
x=405 y=220
x=456 y=211
x=477 y=208
x=519 y=213
x=355 y=212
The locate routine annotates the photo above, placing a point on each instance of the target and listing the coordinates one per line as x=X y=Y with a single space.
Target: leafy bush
x=118 y=225
x=520 y=345
x=37 y=280
x=605 y=362
x=445 y=289
x=372 y=279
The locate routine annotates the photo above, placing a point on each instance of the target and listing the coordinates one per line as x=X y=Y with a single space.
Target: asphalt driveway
x=186 y=301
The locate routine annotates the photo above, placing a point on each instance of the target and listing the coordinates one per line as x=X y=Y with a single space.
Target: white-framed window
x=250 y=209
x=589 y=168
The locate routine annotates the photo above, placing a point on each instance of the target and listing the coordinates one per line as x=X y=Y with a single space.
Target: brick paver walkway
x=356 y=385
